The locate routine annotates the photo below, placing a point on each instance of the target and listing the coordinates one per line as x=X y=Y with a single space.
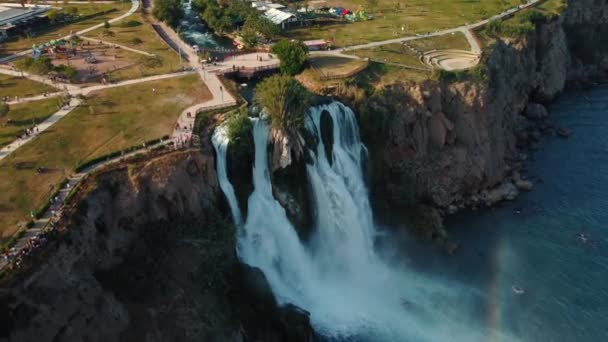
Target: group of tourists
x=15 y=256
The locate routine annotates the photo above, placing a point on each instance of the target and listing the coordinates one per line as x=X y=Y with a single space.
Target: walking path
x=8 y=149
x=465 y=29
x=49 y=218
x=88 y=90
x=134 y=7
x=59 y=85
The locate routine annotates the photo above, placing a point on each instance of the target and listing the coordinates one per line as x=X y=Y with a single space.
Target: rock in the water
x=535 y=111
x=506 y=191
x=451 y=247
x=564 y=133
x=524 y=185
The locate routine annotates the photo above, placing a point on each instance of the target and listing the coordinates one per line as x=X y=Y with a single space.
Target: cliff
x=453 y=144
x=147 y=255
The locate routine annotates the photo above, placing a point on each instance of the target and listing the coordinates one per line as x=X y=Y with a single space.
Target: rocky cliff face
x=453 y=144
x=147 y=256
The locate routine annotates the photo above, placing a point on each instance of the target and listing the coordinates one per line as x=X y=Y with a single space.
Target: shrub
x=131 y=23
x=477 y=73
x=4 y=109
x=66 y=71
x=285 y=100
x=239 y=130
x=39 y=66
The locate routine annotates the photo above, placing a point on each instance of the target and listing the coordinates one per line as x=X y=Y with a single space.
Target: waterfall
x=349 y=290
x=220 y=144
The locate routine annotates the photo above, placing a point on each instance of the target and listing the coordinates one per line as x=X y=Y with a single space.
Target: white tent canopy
x=277 y=16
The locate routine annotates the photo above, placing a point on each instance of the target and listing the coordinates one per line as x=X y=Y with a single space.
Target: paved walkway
x=53 y=213
x=8 y=149
x=59 y=85
x=465 y=29
x=88 y=90
x=134 y=7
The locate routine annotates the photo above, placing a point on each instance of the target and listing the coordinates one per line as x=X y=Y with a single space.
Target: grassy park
x=25 y=115
x=137 y=33
x=110 y=120
x=12 y=86
x=393 y=19
x=90 y=14
x=402 y=54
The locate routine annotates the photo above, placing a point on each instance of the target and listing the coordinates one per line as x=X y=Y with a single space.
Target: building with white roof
x=13 y=15
x=279 y=17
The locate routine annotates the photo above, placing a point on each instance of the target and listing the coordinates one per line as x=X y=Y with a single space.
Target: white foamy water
x=349 y=290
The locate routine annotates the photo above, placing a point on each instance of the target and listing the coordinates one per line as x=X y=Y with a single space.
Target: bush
x=285 y=100
x=39 y=66
x=66 y=71
x=130 y=23
x=292 y=55
x=477 y=73
x=239 y=130
x=4 y=109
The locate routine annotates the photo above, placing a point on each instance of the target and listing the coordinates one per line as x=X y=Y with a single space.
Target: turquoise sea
x=534 y=243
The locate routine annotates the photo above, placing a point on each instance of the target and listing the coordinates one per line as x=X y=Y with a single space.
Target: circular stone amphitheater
x=450 y=59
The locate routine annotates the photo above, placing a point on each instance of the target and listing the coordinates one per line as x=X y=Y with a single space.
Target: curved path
x=465 y=29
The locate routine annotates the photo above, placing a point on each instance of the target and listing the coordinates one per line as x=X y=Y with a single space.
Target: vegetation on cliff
x=285 y=100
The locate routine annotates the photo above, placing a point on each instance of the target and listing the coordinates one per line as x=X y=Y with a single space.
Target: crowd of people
x=18 y=254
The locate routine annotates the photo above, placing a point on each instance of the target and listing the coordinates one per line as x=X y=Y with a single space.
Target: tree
x=285 y=100
x=169 y=11
x=249 y=37
x=292 y=55
x=4 y=108
x=106 y=25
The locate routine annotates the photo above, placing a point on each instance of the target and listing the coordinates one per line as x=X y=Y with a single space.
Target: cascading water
x=349 y=290
x=196 y=33
x=220 y=143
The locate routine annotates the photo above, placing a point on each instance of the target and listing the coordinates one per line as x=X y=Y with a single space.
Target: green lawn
x=399 y=53
x=141 y=37
x=18 y=86
x=519 y=23
x=112 y=119
x=25 y=115
x=17 y=44
x=414 y=16
x=329 y=65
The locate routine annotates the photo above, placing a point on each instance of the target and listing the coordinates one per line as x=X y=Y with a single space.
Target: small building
x=15 y=16
x=316 y=45
x=279 y=17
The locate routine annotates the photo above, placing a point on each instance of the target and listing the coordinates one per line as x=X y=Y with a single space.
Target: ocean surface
x=533 y=244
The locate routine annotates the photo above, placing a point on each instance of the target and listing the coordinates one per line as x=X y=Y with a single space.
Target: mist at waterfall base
x=356 y=292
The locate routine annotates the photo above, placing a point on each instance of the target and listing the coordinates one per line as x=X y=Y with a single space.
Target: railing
x=172 y=44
